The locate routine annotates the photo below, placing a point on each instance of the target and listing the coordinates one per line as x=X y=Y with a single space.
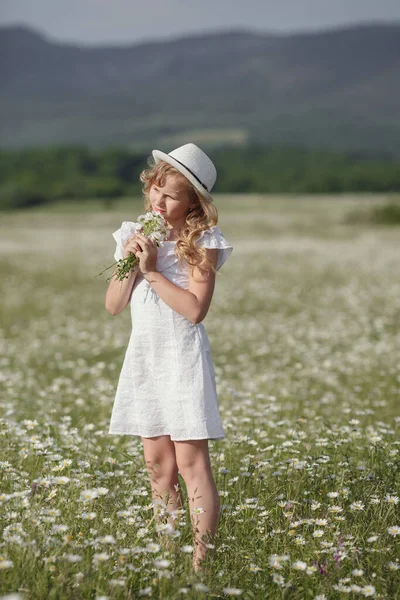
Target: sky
x=102 y=22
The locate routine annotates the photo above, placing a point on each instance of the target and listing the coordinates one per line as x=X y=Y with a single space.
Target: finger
x=143 y=237
x=147 y=240
x=140 y=240
x=143 y=242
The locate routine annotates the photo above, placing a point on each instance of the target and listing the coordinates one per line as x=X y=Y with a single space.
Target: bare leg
x=165 y=487
x=195 y=468
x=202 y=493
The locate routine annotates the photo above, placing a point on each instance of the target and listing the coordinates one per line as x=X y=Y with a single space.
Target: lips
x=159 y=210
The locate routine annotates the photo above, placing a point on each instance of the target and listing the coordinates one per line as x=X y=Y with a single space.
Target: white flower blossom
x=395 y=530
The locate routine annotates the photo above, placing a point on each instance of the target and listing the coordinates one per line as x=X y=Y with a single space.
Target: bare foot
x=198 y=568
x=198 y=564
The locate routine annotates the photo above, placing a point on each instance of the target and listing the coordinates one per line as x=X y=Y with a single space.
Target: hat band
x=194 y=174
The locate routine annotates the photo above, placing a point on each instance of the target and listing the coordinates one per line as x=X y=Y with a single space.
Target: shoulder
x=213 y=238
x=209 y=236
x=127 y=230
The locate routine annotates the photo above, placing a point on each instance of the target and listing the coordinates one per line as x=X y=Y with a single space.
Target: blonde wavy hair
x=200 y=218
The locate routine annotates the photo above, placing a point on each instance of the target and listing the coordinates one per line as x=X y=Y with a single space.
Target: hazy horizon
x=121 y=22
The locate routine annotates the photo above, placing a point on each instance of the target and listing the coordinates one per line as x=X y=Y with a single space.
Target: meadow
x=304 y=329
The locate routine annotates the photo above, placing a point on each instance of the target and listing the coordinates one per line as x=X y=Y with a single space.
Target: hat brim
x=158 y=156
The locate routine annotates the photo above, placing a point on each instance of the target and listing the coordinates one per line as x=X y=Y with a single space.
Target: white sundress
x=167 y=381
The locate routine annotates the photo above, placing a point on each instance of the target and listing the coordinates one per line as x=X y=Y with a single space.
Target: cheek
x=153 y=200
x=172 y=207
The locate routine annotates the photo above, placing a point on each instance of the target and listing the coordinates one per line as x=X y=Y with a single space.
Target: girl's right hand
x=130 y=246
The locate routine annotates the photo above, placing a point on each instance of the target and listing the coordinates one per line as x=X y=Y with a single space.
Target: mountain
x=337 y=88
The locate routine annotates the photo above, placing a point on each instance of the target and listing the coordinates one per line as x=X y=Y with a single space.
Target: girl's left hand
x=146 y=253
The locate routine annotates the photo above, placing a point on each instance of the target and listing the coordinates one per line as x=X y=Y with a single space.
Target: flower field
x=305 y=333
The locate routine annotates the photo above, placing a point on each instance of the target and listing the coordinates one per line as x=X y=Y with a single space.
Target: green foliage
x=36 y=176
x=388 y=214
x=303 y=329
x=19 y=195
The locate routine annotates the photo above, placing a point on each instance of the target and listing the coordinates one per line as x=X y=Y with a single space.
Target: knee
x=162 y=469
x=193 y=469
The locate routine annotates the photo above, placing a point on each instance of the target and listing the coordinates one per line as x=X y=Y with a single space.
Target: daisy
x=275 y=560
x=100 y=557
x=162 y=563
x=299 y=540
x=61 y=480
x=198 y=510
x=391 y=499
x=357 y=506
x=187 y=549
x=318 y=533
x=311 y=570
x=335 y=509
x=299 y=565
x=88 y=516
x=368 y=590
x=276 y=578
x=73 y=558
x=372 y=539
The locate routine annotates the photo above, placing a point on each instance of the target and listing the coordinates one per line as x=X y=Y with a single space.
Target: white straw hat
x=194 y=164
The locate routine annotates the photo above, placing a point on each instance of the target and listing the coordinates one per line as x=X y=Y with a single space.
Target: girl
x=166 y=392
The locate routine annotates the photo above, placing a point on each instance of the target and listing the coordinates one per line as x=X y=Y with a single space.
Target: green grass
x=304 y=330
x=384 y=213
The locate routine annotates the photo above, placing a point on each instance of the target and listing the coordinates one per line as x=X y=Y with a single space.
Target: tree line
x=42 y=175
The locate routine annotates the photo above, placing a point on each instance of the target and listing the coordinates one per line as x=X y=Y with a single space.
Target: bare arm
x=119 y=292
x=192 y=303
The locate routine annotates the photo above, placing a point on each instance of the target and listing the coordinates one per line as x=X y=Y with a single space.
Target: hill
x=337 y=88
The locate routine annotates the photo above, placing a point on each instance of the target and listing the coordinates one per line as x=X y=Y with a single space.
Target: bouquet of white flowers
x=153 y=225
